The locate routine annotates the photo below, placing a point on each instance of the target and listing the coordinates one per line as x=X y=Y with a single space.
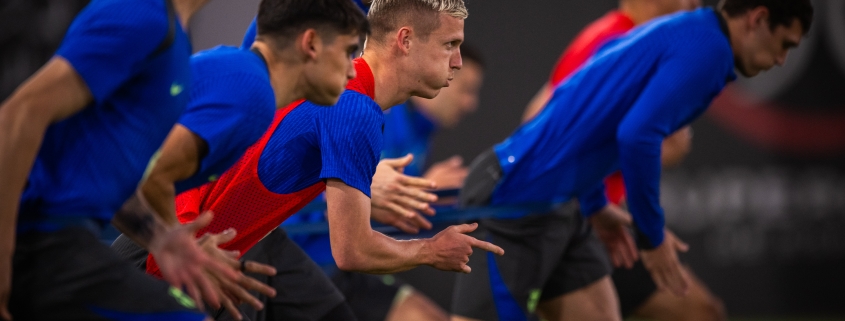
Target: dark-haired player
x=303 y=50
x=638 y=295
x=75 y=140
x=413 y=50
x=613 y=113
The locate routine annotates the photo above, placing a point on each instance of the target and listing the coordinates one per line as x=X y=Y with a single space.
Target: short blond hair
x=387 y=16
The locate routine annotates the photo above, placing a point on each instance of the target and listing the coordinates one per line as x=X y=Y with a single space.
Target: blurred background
x=761 y=198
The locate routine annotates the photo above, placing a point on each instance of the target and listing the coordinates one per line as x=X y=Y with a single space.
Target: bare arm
x=52 y=94
x=357 y=247
x=537 y=103
x=676 y=147
x=180 y=158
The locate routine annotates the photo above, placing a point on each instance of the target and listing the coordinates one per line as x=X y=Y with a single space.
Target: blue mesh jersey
x=614 y=113
x=249 y=36
x=315 y=143
x=407 y=131
x=232 y=104
x=91 y=162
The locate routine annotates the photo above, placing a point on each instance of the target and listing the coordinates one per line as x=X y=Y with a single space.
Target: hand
x=449 y=173
x=395 y=192
x=410 y=225
x=611 y=225
x=451 y=248
x=665 y=268
x=5 y=287
x=236 y=292
x=184 y=264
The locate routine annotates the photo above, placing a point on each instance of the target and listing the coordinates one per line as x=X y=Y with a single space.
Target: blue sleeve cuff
x=593 y=201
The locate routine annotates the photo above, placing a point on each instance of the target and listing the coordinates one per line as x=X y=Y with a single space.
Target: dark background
x=764 y=220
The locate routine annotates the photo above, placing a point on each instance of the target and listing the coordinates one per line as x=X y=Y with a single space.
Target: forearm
x=160 y=194
x=136 y=220
x=376 y=253
x=21 y=135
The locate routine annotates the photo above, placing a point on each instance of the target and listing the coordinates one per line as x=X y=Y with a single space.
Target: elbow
x=347 y=259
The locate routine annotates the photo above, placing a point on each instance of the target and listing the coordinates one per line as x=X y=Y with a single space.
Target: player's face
x=332 y=69
x=460 y=98
x=435 y=60
x=764 y=48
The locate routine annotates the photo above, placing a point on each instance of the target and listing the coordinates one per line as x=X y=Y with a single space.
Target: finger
x=208 y=290
x=614 y=259
x=411 y=203
x=238 y=292
x=399 y=210
x=418 y=182
x=225 y=236
x=630 y=248
x=465 y=228
x=258 y=268
x=456 y=160
x=249 y=283
x=465 y=269
x=487 y=246
x=406 y=227
x=421 y=222
x=194 y=293
x=202 y=221
x=234 y=254
x=680 y=245
x=399 y=162
x=233 y=310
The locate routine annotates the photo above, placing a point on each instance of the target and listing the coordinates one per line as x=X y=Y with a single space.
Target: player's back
x=232 y=104
x=133 y=56
x=572 y=143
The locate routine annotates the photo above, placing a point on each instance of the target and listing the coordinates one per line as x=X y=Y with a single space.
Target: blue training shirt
x=406 y=130
x=614 y=113
x=92 y=161
x=315 y=143
x=232 y=104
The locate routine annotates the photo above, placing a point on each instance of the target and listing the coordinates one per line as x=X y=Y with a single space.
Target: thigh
x=303 y=291
x=370 y=296
x=509 y=287
x=70 y=275
x=596 y=301
x=583 y=262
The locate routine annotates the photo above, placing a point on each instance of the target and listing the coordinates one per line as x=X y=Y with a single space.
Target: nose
x=456 y=62
x=350 y=72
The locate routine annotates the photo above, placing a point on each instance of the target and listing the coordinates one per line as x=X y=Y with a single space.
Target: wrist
x=425 y=253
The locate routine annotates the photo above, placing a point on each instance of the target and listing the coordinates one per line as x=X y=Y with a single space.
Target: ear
x=404 y=38
x=309 y=44
x=758 y=17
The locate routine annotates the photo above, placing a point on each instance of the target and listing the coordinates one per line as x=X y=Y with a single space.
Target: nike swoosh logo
x=175 y=89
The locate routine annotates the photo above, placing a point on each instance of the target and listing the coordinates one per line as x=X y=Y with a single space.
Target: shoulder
x=230 y=73
x=147 y=16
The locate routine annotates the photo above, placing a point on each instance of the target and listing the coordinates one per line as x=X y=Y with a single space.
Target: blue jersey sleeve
x=351 y=140
x=685 y=83
x=110 y=40
x=230 y=111
x=592 y=200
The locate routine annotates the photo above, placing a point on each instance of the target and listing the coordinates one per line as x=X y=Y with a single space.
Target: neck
x=186 y=9
x=284 y=76
x=389 y=89
x=639 y=11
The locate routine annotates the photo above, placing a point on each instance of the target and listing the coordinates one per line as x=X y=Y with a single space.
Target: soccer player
x=638 y=295
x=75 y=140
x=303 y=50
x=612 y=113
x=413 y=50
x=408 y=129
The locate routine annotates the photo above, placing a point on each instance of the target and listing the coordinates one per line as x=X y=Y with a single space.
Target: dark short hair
x=284 y=20
x=781 y=12
x=471 y=53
